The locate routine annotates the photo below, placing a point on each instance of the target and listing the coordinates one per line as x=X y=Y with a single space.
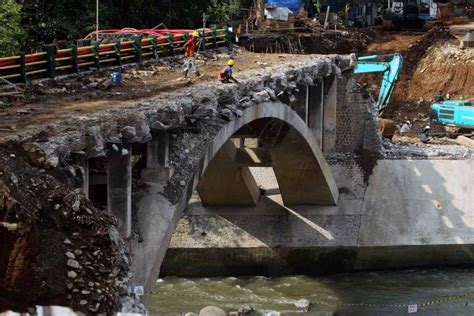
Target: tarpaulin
x=293 y=5
x=278 y=13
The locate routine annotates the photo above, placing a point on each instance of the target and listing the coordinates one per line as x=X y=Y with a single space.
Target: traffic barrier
x=53 y=62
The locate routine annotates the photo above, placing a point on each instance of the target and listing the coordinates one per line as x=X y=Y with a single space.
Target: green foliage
x=36 y=23
x=11 y=33
x=219 y=9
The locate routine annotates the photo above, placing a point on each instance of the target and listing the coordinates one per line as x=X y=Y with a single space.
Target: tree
x=11 y=32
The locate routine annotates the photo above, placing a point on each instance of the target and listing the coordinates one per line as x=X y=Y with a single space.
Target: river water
x=374 y=293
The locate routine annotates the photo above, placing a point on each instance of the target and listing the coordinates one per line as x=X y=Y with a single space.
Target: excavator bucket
x=387 y=127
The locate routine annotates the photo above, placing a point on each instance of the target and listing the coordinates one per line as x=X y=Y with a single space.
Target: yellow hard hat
x=195 y=34
x=231 y=62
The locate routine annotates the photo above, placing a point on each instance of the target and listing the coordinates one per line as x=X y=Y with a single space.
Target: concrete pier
x=414 y=213
x=119 y=186
x=157 y=159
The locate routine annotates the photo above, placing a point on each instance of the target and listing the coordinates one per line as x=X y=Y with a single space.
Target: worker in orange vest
x=190 y=55
x=225 y=76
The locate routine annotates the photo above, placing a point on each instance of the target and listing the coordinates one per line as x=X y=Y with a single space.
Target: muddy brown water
x=433 y=291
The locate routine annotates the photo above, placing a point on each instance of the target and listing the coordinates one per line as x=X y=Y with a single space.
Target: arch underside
x=222 y=178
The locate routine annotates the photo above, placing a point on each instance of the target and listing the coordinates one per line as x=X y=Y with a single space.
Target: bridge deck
x=45 y=103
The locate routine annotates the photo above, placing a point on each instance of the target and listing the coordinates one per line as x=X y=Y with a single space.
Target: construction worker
x=225 y=76
x=405 y=127
x=424 y=136
x=190 y=55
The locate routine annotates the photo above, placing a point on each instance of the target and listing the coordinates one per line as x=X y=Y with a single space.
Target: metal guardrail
x=53 y=62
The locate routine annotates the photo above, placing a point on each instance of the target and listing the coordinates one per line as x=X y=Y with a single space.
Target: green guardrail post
x=117 y=52
x=21 y=61
x=95 y=51
x=154 y=44
x=228 y=35
x=214 y=35
x=74 y=62
x=51 y=51
x=137 y=44
x=171 y=43
x=202 y=37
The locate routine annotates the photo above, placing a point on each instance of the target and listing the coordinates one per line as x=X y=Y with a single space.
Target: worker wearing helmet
x=190 y=55
x=406 y=127
x=425 y=135
x=225 y=76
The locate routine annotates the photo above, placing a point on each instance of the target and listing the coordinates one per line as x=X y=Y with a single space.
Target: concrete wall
x=413 y=213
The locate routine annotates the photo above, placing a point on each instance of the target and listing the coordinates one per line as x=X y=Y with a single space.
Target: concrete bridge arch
x=289 y=146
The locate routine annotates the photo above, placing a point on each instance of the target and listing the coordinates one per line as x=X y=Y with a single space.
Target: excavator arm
x=391 y=73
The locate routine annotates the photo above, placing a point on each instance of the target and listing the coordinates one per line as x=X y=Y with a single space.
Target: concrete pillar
x=299 y=104
x=84 y=168
x=119 y=186
x=225 y=183
x=157 y=162
x=330 y=114
x=316 y=110
x=303 y=175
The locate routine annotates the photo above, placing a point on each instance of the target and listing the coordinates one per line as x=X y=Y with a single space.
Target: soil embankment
x=56 y=247
x=433 y=62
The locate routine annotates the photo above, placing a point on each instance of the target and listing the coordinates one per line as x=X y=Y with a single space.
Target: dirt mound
x=55 y=246
x=444 y=67
x=327 y=42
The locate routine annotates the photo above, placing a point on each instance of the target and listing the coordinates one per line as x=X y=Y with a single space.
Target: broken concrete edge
x=133 y=121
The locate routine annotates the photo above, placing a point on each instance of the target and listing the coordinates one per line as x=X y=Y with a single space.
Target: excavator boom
x=391 y=73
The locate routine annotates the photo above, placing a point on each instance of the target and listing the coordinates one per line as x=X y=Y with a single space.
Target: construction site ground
x=433 y=62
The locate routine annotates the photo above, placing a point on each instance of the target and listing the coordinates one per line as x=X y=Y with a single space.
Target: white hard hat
x=408 y=122
x=427 y=127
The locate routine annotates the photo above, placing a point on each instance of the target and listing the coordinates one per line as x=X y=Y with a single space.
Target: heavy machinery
x=455 y=114
x=410 y=14
x=391 y=73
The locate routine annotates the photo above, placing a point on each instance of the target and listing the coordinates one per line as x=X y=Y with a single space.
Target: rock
x=70 y=255
x=261 y=96
x=90 y=284
x=271 y=93
x=190 y=314
x=182 y=183
x=212 y=311
x=302 y=304
x=105 y=85
x=67 y=242
x=78 y=252
x=85 y=292
x=76 y=205
x=246 y=310
x=128 y=132
x=73 y=264
x=227 y=114
x=71 y=274
x=69 y=285
x=83 y=302
x=94 y=308
x=14 y=179
x=115 y=147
